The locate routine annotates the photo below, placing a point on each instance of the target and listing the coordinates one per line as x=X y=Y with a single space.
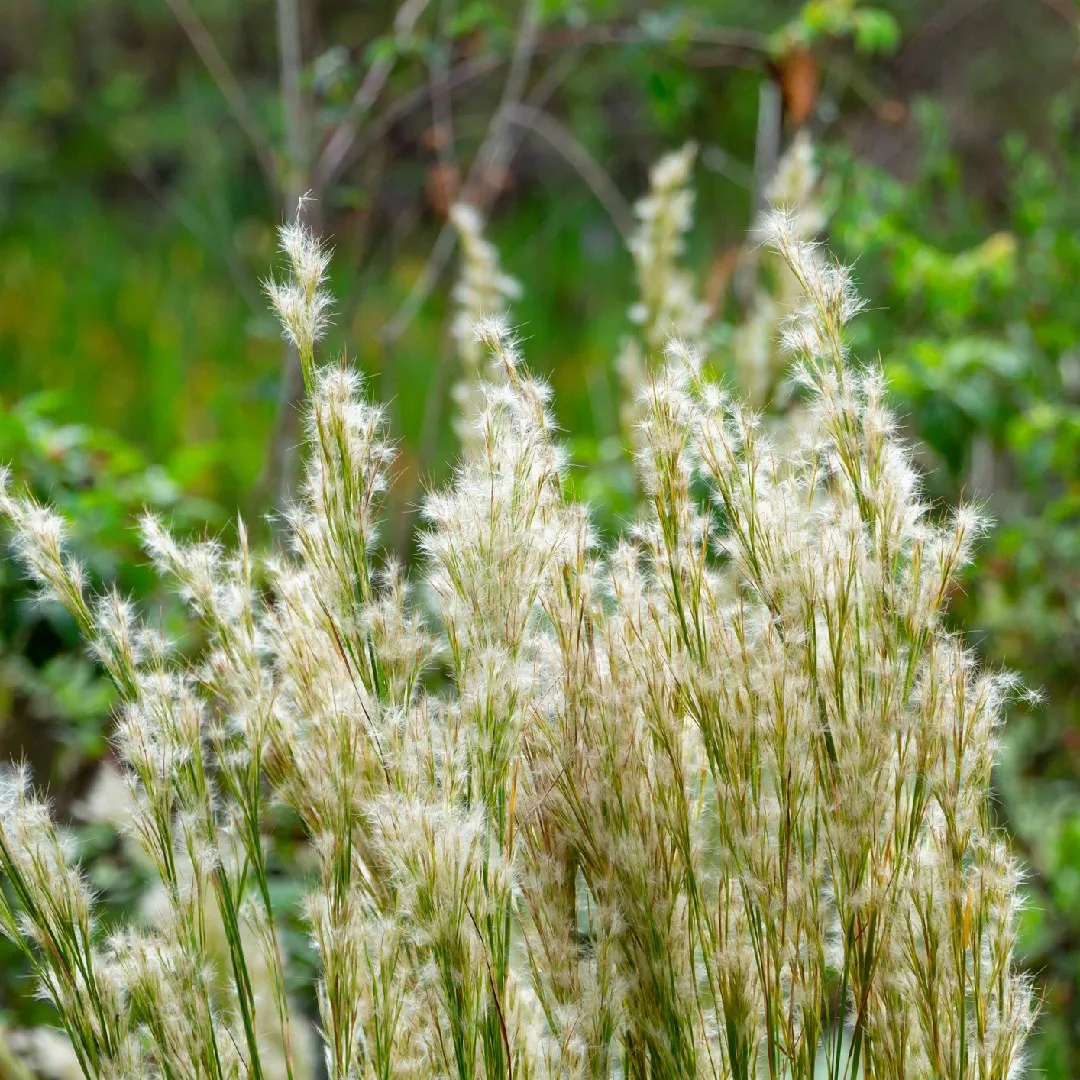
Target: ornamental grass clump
x=713 y=803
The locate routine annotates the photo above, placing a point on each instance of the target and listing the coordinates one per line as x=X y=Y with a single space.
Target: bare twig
x=336 y=152
x=766 y=154
x=460 y=75
x=290 y=52
x=281 y=459
x=361 y=230
x=495 y=144
x=442 y=113
x=562 y=140
x=478 y=66
x=494 y=151
x=441 y=251
x=491 y=156
x=767 y=142
x=718 y=160
x=622 y=34
x=227 y=83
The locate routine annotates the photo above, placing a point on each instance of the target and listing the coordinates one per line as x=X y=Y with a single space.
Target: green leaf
x=876 y=31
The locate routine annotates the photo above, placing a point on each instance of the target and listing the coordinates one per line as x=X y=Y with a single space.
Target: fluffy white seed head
x=301 y=302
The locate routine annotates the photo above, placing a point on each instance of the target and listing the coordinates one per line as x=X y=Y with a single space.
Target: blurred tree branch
x=290 y=53
x=586 y=166
x=227 y=83
x=478 y=188
x=336 y=151
x=297 y=169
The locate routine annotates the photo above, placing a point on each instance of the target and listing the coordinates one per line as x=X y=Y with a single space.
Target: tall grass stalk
x=713 y=803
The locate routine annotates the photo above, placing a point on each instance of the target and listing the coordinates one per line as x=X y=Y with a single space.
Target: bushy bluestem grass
x=712 y=803
x=668 y=303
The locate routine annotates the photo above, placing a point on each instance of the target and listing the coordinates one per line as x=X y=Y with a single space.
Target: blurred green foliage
x=977 y=319
x=55 y=702
x=100 y=483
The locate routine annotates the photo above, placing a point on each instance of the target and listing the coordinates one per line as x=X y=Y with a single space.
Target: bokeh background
x=148 y=149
